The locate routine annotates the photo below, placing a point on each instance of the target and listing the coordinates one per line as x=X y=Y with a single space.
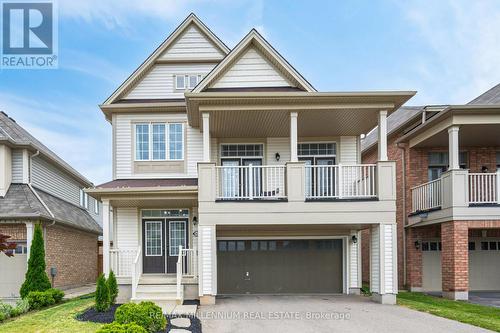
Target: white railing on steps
x=136 y=271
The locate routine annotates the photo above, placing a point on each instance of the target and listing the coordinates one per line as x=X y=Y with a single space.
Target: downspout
x=403 y=162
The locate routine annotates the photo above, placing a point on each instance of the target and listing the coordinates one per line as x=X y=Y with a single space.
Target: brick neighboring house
x=36 y=186
x=448 y=217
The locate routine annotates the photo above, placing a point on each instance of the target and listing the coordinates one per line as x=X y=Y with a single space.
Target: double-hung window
x=159 y=141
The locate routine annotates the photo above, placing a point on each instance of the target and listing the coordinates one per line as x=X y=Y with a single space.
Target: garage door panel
x=280 y=267
x=12 y=270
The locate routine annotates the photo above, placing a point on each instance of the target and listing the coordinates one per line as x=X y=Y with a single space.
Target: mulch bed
x=98 y=317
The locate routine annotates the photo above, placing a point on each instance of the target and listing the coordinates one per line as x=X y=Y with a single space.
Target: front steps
x=161 y=289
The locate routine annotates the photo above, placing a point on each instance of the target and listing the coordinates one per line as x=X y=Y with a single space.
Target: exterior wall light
x=195 y=220
x=354 y=239
x=417 y=244
x=277 y=156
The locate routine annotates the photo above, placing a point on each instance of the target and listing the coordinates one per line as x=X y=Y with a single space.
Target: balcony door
x=320 y=181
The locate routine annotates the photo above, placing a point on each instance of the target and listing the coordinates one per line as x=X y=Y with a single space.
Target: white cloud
x=462 y=56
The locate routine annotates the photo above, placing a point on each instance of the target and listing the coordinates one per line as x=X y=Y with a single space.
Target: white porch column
x=206 y=137
x=383 y=263
x=354 y=245
x=382 y=135
x=453 y=153
x=105 y=237
x=293 y=137
x=207 y=263
x=29 y=237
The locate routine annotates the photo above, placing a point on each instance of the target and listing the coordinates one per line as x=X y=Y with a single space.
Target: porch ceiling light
x=354 y=239
x=277 y=156
x=417 y=244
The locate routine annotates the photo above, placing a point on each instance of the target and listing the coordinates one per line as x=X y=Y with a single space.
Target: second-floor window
x=96 y=207
x=438 y=163
x=159 y=141
x=84 y=199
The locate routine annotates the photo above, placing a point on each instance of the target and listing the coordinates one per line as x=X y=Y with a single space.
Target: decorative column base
x=389 y=299
x=207 y=300
x=456 y=295
x=355 y=291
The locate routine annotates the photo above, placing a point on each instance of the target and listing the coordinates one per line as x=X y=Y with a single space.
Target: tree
x=36 y=277
x=113 y=287
x=6 y=247
x=102 y=294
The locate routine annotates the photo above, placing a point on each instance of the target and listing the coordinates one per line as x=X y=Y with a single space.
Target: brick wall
x=15 y=231
x=73 y=253
x=455 y=256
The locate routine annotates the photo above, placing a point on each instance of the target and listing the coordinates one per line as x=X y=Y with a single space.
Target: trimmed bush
x=36 y=278
x=22 y=306
x=5 y=310
x=113 y=287
x=56 y=294
x=2 y=317
x=40 y=299
x=102 y=294
x=121 y=328
x=145 y=314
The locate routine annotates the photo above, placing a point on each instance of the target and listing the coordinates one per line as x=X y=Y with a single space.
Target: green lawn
x=477 y=315
x=59 y=318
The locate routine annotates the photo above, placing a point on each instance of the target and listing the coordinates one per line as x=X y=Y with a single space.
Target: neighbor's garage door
x=484 y=264
x=279 y=266
x=12 y=270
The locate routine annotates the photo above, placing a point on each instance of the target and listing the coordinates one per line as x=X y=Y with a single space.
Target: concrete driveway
x=276 y=314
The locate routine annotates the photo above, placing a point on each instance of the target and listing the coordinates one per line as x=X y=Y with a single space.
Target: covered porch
x=150 y=237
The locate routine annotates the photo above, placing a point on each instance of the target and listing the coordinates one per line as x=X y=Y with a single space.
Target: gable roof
x=491 y=96
x=25 y=202
x=254 y=39
x=13 y=134
x=192 y=19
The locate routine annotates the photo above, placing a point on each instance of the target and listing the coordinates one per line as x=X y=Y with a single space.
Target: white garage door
x=12 y=270
x=431 y=262
x=484 y=264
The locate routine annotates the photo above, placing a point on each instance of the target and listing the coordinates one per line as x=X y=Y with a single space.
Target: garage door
x=279 y=266
x=12 y=274
x=484 y=267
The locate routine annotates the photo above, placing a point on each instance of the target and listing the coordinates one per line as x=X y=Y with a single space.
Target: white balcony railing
x=483 y=188
x=426 y=196
x=250 y=182
x=340 y=181
x=121 y=261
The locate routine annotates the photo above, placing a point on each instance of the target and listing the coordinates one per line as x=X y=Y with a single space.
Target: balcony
x=457 y=195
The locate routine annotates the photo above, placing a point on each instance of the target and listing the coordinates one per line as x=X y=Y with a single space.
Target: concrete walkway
x=79 y=291
x=287 y=314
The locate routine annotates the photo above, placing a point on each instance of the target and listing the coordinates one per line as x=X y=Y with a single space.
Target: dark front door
x=279 y=266
x=153 y=248
x=177 y=235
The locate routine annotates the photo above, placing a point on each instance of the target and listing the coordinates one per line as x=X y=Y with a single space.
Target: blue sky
x=449 y=51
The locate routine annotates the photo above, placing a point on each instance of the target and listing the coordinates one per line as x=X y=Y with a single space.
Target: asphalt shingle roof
x=492 y=96
x=20 y=201
x=12 y=132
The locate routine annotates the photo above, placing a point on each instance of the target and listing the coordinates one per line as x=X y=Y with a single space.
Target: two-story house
x=38 y=187
x=448 y=195
x=233 y=175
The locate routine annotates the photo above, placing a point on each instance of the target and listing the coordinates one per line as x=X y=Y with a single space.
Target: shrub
x=2 y=317
x=36 y=278
x=40 y=299
x=102 y=294
x=22 y=306
x=145 y=314
x=121 y=328
x=113 y=288
x=56 y=294
x=5 y=310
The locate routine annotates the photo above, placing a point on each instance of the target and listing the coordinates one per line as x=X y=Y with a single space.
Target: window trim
x=187 y=80
x=150 y=140
x=318 y=142
x=263 y=156
x=176 y=81
x=146 y=235
x=96 y=206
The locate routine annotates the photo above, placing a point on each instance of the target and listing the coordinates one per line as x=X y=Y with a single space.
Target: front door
x=153 y=248
x=161 y=239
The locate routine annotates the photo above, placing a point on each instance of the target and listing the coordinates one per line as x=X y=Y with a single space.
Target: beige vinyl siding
x=388 y=258
x=159 y=82
x=251 y=70
x=17 y=165
x=127 y=227
x=124 y=150
x=375 y=260
x=354 y=263
x=207 y=248
x=348 y=150
x=277 y=145
x=52 y=180
x=192 y=44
